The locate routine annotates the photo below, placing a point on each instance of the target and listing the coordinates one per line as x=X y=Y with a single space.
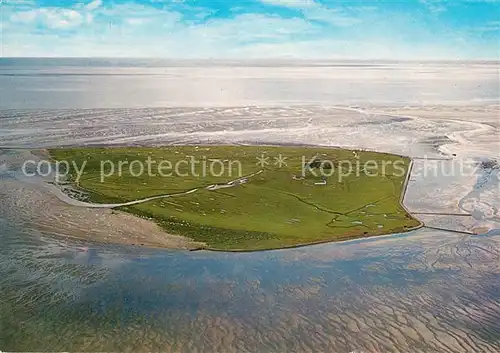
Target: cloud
x=18 y=2
x=492 y=26
x=159 y=21
x=93 y=5
x=332 y=16
x=54 y=17
x=310 y=29
x=297 y=4
x=24 y=17
x=435 y=6
x=136 y=21
x=314 y=11
x=50 y=17
x=251 y=27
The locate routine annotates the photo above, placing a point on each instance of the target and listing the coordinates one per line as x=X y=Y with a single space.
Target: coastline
x=196 y=246
x=36 y=200
x=368 y=236
x=431 y=114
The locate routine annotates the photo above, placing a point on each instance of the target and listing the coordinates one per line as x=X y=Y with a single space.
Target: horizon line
x=275 y=59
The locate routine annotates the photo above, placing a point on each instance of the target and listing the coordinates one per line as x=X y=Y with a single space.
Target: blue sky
x=308 y=29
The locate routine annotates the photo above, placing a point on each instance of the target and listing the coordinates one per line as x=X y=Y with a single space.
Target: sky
x=248 y=29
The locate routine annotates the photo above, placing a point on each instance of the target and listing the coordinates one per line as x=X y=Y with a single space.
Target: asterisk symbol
x=262 y=161
x=280 y=161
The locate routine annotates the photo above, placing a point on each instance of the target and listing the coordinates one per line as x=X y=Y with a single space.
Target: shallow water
x=427 y=291
x=424 y=291
x=127 y=83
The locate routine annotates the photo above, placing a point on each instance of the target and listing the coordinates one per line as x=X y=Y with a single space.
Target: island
x=245 y=198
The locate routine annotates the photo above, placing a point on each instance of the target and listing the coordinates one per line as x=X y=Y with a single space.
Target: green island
x=266 y=197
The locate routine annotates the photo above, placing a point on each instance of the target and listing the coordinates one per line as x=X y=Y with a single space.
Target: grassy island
x=248 y=197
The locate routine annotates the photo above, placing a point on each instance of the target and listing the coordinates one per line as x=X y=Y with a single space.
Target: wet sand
x=53 y=216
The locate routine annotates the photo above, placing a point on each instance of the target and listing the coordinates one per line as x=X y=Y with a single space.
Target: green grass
x=271 y=211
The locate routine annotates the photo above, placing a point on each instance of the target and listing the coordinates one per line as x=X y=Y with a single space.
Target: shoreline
x=36 y=201
x=432 y=113
x=401 y=202
x=205 y=247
